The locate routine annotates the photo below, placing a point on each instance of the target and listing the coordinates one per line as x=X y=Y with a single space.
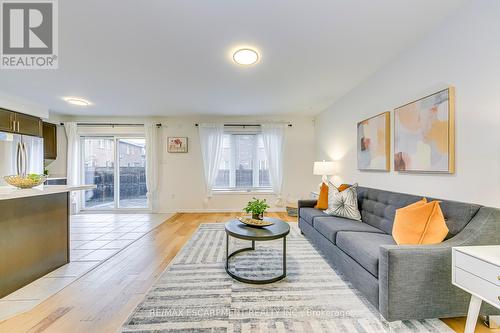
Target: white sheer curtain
x=73 y=163
x=273 y=136
x=211 y=136
x=151 y=134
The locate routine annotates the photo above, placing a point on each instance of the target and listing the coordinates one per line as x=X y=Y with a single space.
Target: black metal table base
x=252 y=281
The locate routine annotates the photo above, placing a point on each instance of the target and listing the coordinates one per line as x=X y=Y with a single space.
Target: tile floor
x=93 y=239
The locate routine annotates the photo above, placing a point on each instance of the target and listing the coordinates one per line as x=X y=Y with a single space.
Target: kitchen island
x=34 y=233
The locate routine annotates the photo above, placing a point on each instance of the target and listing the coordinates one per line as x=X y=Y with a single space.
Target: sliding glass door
x=117 y=166
x=98 y=156
x=132 y=173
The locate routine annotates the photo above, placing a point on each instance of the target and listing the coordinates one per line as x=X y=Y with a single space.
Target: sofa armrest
x=415 y=283
x=415 y=280
x=309 y=203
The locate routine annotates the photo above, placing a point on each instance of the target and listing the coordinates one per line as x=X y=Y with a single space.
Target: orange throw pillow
x=419 y=223
x=323 y=197
x=343 y=187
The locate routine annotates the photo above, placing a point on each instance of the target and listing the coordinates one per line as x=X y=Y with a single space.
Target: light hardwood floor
x=102 y=299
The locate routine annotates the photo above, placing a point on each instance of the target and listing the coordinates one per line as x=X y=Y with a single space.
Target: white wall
x=18 y=104
x=464 y=52
x=182 y=184
x=181 y=175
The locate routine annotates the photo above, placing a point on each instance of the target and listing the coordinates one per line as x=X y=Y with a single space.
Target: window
x=244 y=164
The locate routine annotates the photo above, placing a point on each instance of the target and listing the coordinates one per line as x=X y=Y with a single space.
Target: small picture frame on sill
x=177 y=144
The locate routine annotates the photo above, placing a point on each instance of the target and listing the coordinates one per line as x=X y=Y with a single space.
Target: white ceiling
x=157 y=57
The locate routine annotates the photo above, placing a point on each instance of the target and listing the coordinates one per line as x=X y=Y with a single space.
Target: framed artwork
x=373 y=147
x=424 y=134
x=177 y=144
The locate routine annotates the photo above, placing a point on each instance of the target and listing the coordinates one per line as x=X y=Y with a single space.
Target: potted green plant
x=257 y=208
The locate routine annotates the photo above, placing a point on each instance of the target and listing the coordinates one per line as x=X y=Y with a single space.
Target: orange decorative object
x=343 y=187
x=323 y=197
x=419 y=223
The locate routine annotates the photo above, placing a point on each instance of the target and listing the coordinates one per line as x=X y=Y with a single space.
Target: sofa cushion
x=378 y=208
x=457 y=214
x=331 y=225
x=364 y=247
x=309 y=214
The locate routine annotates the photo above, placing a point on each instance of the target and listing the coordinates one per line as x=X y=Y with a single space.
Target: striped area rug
x=195 y=294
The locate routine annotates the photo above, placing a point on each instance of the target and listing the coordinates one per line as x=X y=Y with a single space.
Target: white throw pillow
x=343 y=204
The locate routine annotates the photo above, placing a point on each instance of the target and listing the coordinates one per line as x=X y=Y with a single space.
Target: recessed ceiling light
x=245 y=57
x=77 y=101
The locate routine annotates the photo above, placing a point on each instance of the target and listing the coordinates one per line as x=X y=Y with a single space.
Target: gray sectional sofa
x=402 y=281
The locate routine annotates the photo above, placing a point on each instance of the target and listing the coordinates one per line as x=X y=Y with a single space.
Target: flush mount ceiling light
x=245 y=57
x=77 y=101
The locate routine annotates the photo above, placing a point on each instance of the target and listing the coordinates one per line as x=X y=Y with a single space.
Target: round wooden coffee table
x=237 y=229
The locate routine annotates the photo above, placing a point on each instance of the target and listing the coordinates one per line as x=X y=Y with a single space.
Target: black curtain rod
x=242 y=125
x=110 y=124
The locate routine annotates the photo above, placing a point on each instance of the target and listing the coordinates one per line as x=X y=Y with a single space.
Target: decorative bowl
x=254 y=222
x=27 y=181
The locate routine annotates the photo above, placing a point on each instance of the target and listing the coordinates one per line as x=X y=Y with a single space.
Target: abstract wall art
x=424 y=134
x=374 y=135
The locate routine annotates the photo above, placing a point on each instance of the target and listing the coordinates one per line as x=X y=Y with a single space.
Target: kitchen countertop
x=56 y=177
x=9 y=192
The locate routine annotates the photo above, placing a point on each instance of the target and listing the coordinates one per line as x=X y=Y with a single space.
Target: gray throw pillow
x=343 y=204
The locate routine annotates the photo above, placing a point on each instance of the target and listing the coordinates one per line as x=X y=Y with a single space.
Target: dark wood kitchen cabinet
x=28 y=125
x=6 y=120
x=20 y=123
x=49 y=141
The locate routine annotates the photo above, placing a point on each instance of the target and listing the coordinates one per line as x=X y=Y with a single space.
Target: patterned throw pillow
x=343 y=204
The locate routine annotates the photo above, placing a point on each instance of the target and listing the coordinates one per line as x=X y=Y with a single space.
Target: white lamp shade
x=324 y=168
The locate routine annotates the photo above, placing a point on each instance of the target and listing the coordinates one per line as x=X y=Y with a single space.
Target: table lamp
x=324 y=169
